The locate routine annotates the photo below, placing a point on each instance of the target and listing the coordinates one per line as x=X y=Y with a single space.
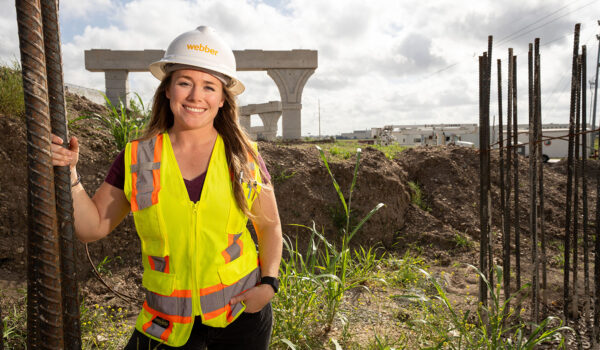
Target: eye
x=209 y=88
x=183 y=83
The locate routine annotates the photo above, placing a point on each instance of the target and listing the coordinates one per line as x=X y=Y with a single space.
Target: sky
x=381 y=62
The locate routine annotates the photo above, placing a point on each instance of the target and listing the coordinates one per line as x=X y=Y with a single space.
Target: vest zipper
x=195 y=297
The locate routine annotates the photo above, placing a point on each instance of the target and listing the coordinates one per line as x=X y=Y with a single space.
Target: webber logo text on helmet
x=201 y=47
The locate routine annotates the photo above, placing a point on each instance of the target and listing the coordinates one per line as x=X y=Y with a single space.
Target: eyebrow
x=190 y=78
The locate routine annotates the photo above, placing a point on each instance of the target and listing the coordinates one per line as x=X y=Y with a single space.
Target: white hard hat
x=202 y=48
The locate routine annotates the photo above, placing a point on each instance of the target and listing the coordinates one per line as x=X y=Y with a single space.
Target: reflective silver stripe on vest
x=144 y=166
x=160 y=263
x=175 y=306
x=155 y=330
x=235 y=249
x=218 y=300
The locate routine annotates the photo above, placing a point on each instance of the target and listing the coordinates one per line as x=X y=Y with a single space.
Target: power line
x=539 y=20
x=552 y=21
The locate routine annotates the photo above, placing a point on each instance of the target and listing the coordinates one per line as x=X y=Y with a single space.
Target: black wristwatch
x=272 y=281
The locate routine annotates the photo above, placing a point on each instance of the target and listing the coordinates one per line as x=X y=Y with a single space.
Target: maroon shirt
x=116 y=177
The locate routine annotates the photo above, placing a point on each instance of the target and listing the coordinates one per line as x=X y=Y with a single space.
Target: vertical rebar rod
x=44 y=304
x=532 y=187
x=501 y=149
x=1 y=330
x=584 y=187
x=484 y=174
x=538 y=108
x=62 y=175
x=575 y=301
x=507 y=213
x=517 y=207
x=574 y=83
x=488 y=88
x=596 y=329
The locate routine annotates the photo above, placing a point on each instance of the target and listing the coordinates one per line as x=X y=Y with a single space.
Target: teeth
x=191 y=109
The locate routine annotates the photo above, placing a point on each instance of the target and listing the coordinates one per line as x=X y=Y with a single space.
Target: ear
x=168 y=92
x=222 y=100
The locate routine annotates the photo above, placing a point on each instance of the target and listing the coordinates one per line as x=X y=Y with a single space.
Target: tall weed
x=12 y=102
x=124 y=125
x=446 y=327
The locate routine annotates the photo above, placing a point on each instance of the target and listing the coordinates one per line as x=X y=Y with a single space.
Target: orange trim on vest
x=156 y=172
x=167 y=332
x=211 y=289
x=172 y=318
x=241 y=244
x=151 y=262
x=148 y=324
x=217 y=312
x=226 y=256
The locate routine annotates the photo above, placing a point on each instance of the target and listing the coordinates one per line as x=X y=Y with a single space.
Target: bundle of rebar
x=52 y=301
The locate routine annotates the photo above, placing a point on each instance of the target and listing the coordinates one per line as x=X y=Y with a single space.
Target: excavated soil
x=447 y=175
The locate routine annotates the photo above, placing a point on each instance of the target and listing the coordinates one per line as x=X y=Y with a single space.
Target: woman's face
x=195 y=98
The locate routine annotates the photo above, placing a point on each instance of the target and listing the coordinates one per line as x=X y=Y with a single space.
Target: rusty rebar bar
x=538 y=108
x=44 y=305
x=584 y=185
x=517 y=207
x=508 y=182
x=567 y=241
x=62 y=176
x=1 y=330
x=488 y=88
x=501 y=149
x=533 y=136
x=484 y=174
x=596 y=330
x=577 y=175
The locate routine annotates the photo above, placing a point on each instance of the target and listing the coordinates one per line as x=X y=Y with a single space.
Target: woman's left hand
x=255 y=298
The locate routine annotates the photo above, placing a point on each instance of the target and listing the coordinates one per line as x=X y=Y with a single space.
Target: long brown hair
x=238 y=147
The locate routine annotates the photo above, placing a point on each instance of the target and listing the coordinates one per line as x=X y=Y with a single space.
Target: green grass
x=11 y=90
x=346 y=149
x=417 y=197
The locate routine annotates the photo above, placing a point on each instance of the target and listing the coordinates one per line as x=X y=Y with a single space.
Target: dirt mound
x=449 y=178
x=305 y=192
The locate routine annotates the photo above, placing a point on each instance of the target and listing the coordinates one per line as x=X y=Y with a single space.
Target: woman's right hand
x=62 y=156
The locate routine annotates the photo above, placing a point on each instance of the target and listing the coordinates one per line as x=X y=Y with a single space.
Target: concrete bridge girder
x=289 y=69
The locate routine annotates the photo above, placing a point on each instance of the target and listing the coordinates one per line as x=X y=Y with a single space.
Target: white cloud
x=384 y=62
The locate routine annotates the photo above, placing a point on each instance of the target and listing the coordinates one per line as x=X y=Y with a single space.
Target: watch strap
x=272 y=281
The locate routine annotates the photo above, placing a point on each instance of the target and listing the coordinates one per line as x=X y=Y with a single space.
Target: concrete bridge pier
x=290 y=83
x=117 y=86
x=269 y=113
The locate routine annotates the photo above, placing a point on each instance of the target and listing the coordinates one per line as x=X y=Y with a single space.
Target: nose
x=196 y=93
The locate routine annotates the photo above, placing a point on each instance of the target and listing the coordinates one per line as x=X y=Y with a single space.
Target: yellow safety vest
x=196 y=256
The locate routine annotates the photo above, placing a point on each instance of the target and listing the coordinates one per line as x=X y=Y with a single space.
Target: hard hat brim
x=158 y=71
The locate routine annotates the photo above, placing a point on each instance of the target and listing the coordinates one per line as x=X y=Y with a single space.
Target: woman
x=191 y=183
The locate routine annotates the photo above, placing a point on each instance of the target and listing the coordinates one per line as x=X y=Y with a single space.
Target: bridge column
x=290 y=83
x=117 y=86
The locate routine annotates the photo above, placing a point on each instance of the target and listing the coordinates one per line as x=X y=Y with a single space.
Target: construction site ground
x=444 y=230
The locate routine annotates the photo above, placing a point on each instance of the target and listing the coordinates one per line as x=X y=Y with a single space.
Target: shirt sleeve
x=263 y=170
x=116 y=173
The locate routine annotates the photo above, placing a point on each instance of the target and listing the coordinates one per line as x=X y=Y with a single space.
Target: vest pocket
x=149 y=229
x=158 y=282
